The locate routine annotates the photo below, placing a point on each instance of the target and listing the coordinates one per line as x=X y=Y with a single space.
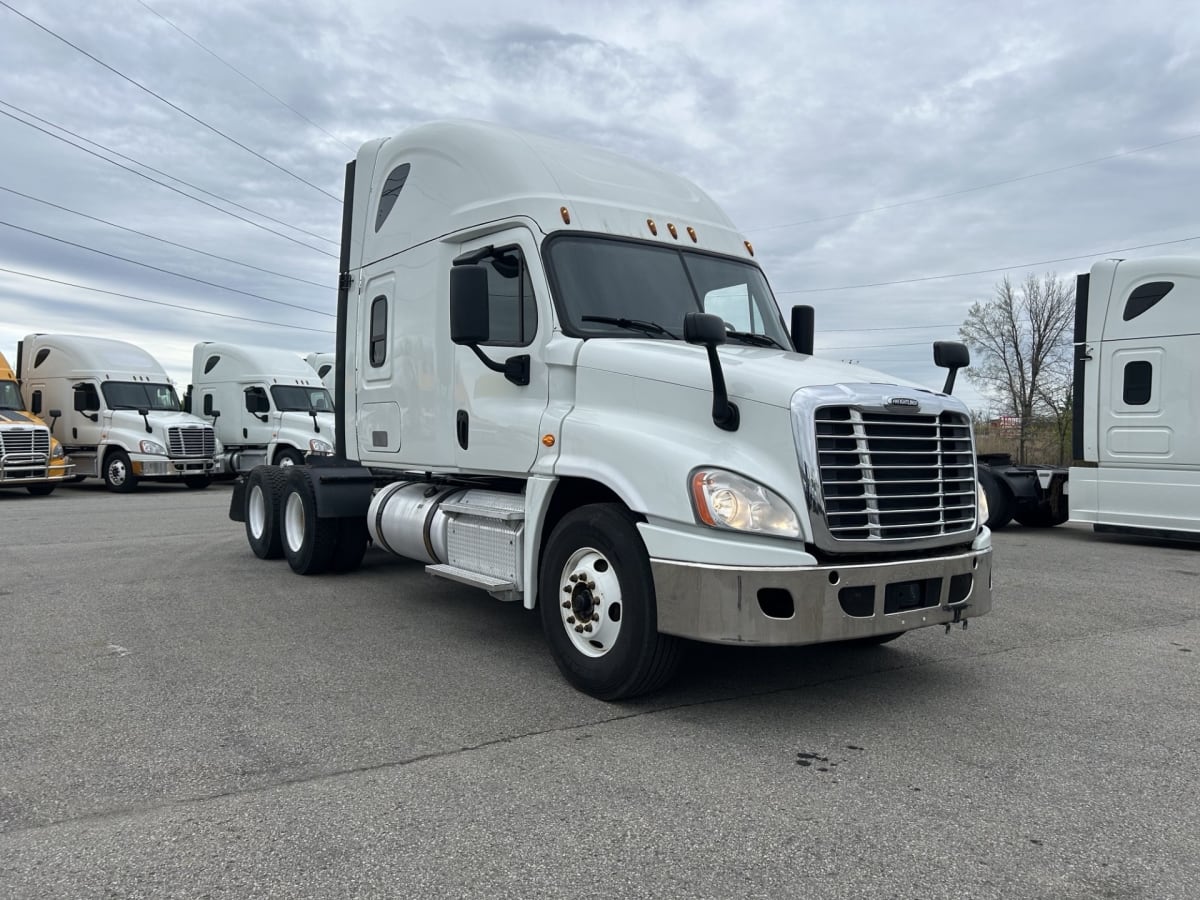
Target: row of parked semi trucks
x=81 y=407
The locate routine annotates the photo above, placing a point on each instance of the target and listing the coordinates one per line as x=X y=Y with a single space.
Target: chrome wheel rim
x=590 y=602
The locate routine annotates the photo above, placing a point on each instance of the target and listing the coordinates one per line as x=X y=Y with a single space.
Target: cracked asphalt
x=181 y=719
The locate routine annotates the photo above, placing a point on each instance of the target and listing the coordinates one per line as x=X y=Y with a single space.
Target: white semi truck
x=267 y=405
x=121 y=419
x=562 y=378
x=1137 y=397
x=323 y=364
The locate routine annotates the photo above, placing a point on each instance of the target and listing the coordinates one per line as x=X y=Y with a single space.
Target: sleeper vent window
x=324 y=370
x=40 y=357
x=1136 y=391
x=1145 y=296
x=391 y=190
x=211 y=363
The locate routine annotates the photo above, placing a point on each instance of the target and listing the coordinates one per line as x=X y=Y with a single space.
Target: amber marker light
x=653 y=228
x=674 y=233
x=548 y=440
x=692 y=233
x=749 y=247
x=698 y=500
x=566 y=214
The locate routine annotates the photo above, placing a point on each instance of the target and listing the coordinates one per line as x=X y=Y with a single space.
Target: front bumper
x=162 y=467
x=779 y=605
x=40 y=470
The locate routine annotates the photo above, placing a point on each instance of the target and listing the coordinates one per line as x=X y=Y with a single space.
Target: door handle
x=463 y=427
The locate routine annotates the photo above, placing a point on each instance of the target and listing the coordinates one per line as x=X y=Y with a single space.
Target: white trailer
x=266 y=405
x=121 y=420
x=323 y=363
x=1137 y=397
x=571 y=378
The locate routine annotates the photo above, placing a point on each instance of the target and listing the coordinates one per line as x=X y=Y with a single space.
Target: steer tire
x=596 y=564
x=41 y=490
x=309 y=542
x=197 y=482
x=264 y=494
x=118 y=472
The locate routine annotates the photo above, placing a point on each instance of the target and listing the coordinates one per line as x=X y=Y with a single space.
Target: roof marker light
x=749 y=247
x=674 y=233
x=566 y=215
x=692 y=233
x=653 y=228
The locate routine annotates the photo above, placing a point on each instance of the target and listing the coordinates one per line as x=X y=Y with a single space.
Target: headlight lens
x=153 y=447
x=725 y=500
x=56 y=451
x=981 y=501
x=316 y=445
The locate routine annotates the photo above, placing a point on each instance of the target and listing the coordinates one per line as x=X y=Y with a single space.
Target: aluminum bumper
x=172 y=467
x=810 y=605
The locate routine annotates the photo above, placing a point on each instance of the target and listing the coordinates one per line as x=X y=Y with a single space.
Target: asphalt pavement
x=181 y=719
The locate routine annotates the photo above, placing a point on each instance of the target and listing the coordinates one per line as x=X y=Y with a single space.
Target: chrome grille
x=25 y=442
x=191 y=440
x=891 y=476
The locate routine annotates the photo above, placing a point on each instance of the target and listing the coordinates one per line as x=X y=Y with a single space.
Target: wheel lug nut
x=566 y=604
x=587 y=628
x=570 y=620
x=591 y=585
x=573 y=578
x=567 y=589
x=579 y=628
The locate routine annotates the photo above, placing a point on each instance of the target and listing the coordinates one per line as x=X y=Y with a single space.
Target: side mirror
x=803 y=329
x=703 y=328
x=952 y=355
x=469 y=313
x=56 y=413
x=81 y=400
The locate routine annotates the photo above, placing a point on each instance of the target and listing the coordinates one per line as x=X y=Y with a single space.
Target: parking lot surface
x=181 y=719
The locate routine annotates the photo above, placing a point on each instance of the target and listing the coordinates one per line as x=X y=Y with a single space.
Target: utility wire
x=173 y=106
x=161 y=240
x=978 y=187
x=1041 y=262
x=876 y=346
x=890 y=328
x=169 y=187
x=135 y=262
x=205 y=312
x=234 y=68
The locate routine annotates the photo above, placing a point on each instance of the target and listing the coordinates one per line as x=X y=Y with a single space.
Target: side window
x=1138 y=376
x=733 y=304
x=512 y=308
x=256 y=400
x=378 y=350
x=87 y=398
x=35 y=403
x=391 y=190
x=1145 y=296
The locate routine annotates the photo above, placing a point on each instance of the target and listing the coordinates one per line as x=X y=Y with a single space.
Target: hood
x=18 y=417
x=294 y=418
x=159 y=418
x=759 y=374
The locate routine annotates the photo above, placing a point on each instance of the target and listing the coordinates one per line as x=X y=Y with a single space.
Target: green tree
x=1020 y=344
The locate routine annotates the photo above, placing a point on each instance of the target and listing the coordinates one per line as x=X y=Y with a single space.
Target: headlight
x=981 y=501
x=56 y=451
x=153 y=447
x=725 y=500
x=316 y=445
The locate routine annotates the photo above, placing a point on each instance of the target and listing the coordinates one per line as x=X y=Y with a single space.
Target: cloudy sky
x=889 y=161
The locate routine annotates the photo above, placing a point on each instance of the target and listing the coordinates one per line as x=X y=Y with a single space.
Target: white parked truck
x=266 y=405
x=562 y=378
x=1137 y=397
x=323 y=364
x=121 y=419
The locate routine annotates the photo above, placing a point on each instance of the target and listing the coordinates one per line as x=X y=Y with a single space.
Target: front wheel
x=598 y=607
x=41 y=490
x=287 y=456
x=197 y=482
x=118 y=472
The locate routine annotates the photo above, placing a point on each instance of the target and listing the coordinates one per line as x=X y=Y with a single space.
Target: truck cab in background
x=1137 y=397
x=562 y=378
x=121 y=418
x=30 y=456
x=323 y=363
x=267 y=405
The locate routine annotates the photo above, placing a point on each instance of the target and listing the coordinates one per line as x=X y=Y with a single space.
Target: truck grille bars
x=25 y=442
x=192 y=440
x=895 y=476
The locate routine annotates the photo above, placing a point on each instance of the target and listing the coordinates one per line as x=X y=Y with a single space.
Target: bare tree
x=1020 y=344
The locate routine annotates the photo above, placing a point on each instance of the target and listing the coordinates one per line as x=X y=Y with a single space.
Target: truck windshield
x=10 y=397
x=617 y=288
x=140 y=395
x=294 y=398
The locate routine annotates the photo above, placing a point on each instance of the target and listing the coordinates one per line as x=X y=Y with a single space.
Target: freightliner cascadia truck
x=562 y=377
x=30 y=456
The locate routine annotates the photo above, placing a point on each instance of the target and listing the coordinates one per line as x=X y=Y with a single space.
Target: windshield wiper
x=755 y=339
x=633 y=324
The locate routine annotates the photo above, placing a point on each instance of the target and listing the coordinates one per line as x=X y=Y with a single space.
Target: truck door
x=496 y=423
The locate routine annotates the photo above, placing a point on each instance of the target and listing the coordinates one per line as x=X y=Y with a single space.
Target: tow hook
x=958 y=617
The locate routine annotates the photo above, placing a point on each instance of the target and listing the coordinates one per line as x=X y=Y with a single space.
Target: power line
x=135 y=262
x=173 y=106
x=978 y=187
x=876 y=346
x=890 y=328
x=231 y=66
x=205 y=312
x=113 y=162
x=1042 y=262
x=161 y=240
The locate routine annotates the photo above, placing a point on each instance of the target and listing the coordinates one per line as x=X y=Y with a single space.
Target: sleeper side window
x=1137 y=384
x=378 y=347
x=512 y=308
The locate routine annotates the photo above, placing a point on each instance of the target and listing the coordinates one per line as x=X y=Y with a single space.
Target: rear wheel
x=1000 y=502
x=308 y=542
x=118 y=472
x=197 y=482
x=598 y=607
x=41 y=490
x=1043 y=517
x=264 y=492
